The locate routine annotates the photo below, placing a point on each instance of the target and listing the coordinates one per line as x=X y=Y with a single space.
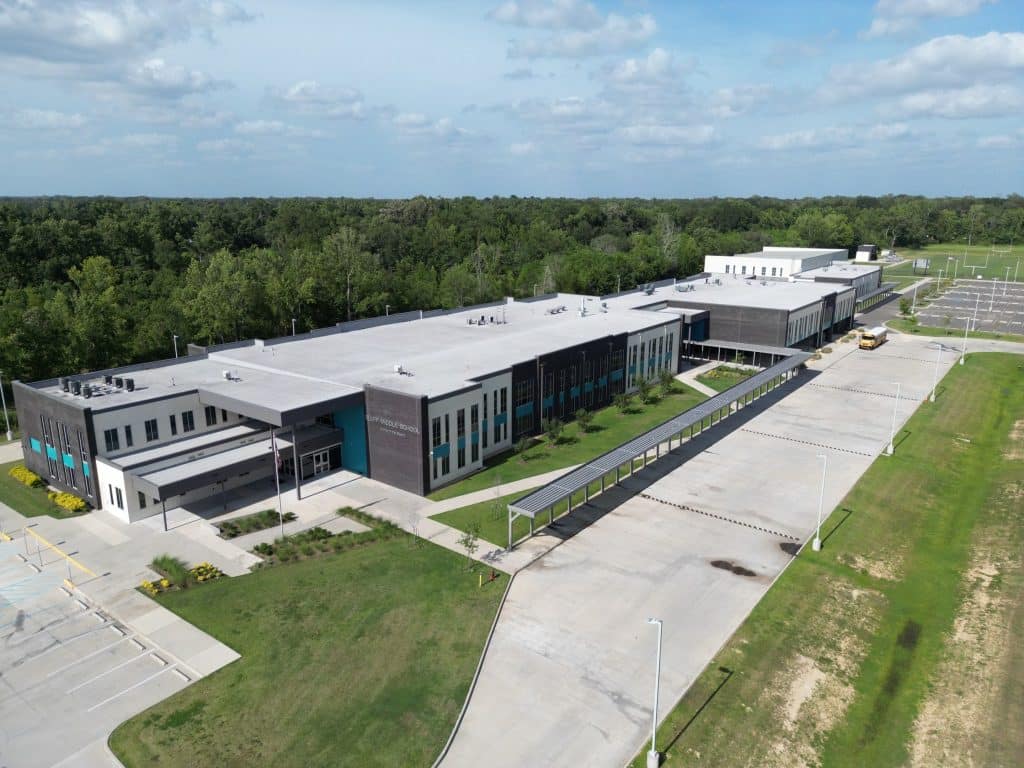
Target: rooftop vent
x=108 y=379
x=64 y=383
x=129 y=384
x=226 y=374
x=398 y=369
x=76 y=387
x=86 y=391
x=119 y=382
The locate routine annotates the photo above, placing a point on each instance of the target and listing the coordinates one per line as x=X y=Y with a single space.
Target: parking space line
x=808 y=442
x=136 y=657
x=80 y=658
x=128 y=689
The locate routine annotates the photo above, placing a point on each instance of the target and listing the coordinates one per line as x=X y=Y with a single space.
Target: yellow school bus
x=873 y=337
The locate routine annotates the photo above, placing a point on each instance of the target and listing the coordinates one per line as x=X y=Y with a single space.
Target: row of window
x=440 y=433
x=112 y=440
x=60 y=457
x=753 y=270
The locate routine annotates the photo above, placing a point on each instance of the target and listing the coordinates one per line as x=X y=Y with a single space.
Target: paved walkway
x=689 y=377
x=9 y=451
x=566 y=678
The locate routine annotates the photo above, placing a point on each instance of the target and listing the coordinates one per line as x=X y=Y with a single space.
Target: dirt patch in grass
x=955 y=715
x=886 y=570
x=1015 y=449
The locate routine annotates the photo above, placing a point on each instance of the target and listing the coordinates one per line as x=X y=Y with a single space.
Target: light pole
x=963 y=352
x=293 y=326
x=892 y=432
x=913 y=306
x=387 y=310
x=3 y=401
x=935 y=375
x=1006 y=280
x=956 y=268
x=816 y=544
x=653 y=758
x=175 y=337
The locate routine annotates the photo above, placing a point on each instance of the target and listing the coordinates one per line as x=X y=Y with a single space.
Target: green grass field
x=30 y=502
x=901 y=324
x=962 y=260
x=490 y=518
x=355 y=659
x=901 y=637
x=608 y=429
x=724 y=376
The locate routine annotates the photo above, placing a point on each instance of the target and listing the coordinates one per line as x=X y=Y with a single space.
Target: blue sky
x=525 y=97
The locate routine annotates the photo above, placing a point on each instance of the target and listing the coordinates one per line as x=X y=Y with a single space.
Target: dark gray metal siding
x=396 y=431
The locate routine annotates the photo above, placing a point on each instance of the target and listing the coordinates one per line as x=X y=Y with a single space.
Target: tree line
x=91 y=283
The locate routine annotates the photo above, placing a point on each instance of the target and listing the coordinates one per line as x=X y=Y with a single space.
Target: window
x=188 y=423
x=142 y=500
x=764 y=270
x=522 y=402
x=120 y=498
x=174 y=425
x=152 y=430
x=773 y=271
x=211 y=416
x=435 y=440
x=128 y=435
x=744 y=269
x=460 y=431
x=223 y=415
x=474 y=431
x=483 y=432
x=111 y=489
x=446 y=460
x=110 y=438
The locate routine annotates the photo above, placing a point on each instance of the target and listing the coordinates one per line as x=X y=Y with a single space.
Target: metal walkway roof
x=581 y=477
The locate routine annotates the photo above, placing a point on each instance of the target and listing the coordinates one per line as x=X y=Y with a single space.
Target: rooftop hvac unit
x=76 y=387
x=226 y=375
x=108 y=379
x=398 y=368
x=64 y=383
x=119 y=382
x=129 y=384
x=87 y=391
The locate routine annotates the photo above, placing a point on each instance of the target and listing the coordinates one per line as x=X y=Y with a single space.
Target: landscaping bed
x=30 y=497
x=724 y=376
x=319 y=541
x=258 y=521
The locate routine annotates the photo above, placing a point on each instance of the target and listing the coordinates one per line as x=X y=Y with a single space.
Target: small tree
x=583 y=419
x=521 y=446
x=623 y=402
x=905 y=306
x=667 y=381
x=469 y=541
x=643 y=388
x=553 y=429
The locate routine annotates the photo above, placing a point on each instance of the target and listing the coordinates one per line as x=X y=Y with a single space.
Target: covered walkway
x=577 y=486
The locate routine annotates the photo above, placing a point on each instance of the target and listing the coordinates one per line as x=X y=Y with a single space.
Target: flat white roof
x=758 y=292
x=782 y=252
x=849 y=269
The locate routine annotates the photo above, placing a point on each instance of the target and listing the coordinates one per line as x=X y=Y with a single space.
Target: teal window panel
x=524 y=410
x=85 y=470
x=51 y=452
x=442 y=451
x=461 y=442
x=588 y=386
x=561 y=396
x=501 y=418
x=616 y=375
x=36 y=445
x=603 y=381
x=574 y=391
x=483 y=425
x=549 y=401
x=632 y=370
x=69 y=460
x=474 y=438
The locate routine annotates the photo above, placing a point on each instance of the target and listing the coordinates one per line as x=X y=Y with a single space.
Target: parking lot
x=999 y=307
x=69 y=672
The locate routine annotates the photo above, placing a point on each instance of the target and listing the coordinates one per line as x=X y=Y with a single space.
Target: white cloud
x=1002 y=141
x=616 y=34
x=658 y=68
x=948 y=61
x=896 y=16
x=418 y=124
x=836 y=137
x=975 y=101
x=738 y=100
x=310 y=97
x=82 y=32
x=653 y=134
x=157 y=77
x=43 y=120
x=225 y=146
x=521 y=149
x=275 y=128
x=139 y=144
x=555 y=14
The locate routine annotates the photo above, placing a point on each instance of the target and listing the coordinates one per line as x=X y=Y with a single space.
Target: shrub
x=584 y=418
x=26 y=476
x=173 y=569
x=67 y=501
x=667 y=381
x=553 y=429
x=205 y=572
x=623 y=402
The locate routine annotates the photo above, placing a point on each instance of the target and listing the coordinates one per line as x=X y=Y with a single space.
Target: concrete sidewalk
x=689 y=377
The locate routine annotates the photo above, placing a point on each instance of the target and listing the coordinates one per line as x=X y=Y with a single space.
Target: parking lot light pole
x=891 y=449
x=653 y=758
x=963 y=352
x=935 y=374
x=175 y=339
x=293 y=326
x=816 y=544
x=1007 y=280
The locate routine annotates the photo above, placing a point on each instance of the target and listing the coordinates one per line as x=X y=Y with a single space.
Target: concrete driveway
x=568 y=677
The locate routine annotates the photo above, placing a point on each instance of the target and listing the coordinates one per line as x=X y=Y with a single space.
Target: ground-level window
x=120 y=498
x=142 y=500
x=460 y=431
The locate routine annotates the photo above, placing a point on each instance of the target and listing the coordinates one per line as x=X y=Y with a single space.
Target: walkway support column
x=298 y=467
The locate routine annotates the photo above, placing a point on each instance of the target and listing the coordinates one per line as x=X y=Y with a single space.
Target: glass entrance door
x=321 y=462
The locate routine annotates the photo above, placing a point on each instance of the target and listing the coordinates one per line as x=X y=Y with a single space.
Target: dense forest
x=96 y=282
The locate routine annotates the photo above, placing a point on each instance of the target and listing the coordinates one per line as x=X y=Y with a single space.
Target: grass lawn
x=899 y=636
x=354 y=659
x=490 y=517
x=901 y=324
x=608 y=429
x=30 y=502
x=724 y=376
